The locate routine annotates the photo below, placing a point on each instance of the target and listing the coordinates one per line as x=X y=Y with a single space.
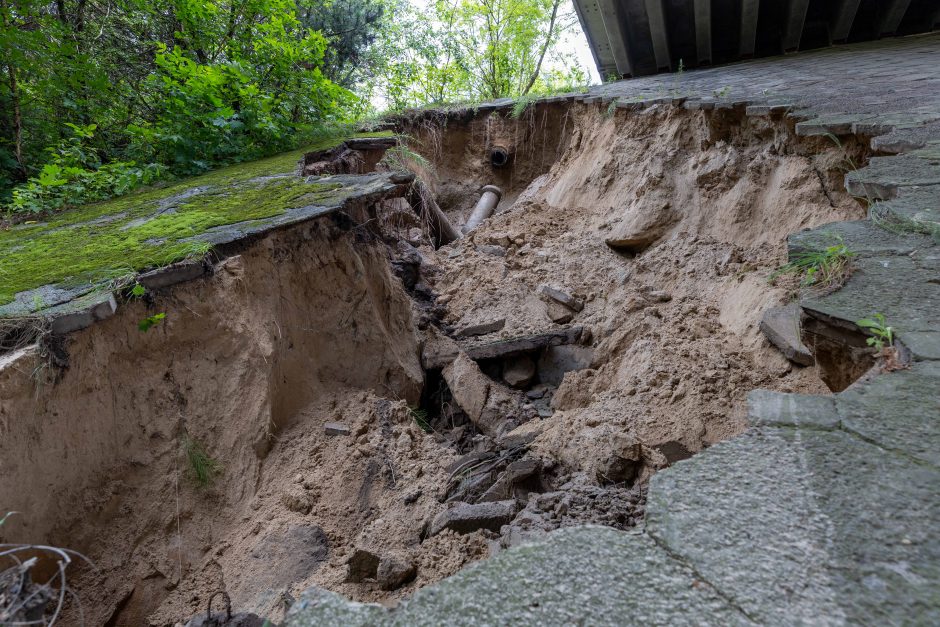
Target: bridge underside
x=640 y=37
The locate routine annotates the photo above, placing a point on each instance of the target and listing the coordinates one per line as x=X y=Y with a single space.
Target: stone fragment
x=559 y=314
x=561 y=297
x=469 y=517
x=492 y=249
x=336 y=428
x=781 y=325
x=658 y=296
x=297 y=500
x=223 y=619
x=519 y=371
x=482 y=328
x=622 y=462
x=392 y=573
x=644 y=222
x=486 y=403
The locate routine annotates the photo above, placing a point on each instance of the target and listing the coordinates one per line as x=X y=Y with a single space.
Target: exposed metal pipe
x=484 y=208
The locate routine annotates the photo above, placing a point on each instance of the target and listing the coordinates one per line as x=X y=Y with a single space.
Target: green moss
x=97 y=243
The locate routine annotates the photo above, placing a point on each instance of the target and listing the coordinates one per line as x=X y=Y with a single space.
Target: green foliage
x=138 y=290
x=203 y=468
x=89 y=91
x=827 y=268
x=150 y=321
x=475 y=50
x=420 y=417
x=74 y=175
x=882 y=334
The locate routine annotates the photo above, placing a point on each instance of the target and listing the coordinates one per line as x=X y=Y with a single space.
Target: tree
x=476 y=50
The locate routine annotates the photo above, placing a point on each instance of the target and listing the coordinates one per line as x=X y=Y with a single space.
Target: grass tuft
x=819 y=270
x=204 y=469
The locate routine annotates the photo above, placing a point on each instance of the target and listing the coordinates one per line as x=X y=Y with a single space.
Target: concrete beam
x=658 y=33
x=592 y=24
x=749 y=10
x=891 y=16
x=703 y=31
x=841 y=24
x=617 y=36
x=793 y=28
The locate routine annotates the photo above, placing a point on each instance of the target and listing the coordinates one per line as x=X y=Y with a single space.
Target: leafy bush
x=74 y=175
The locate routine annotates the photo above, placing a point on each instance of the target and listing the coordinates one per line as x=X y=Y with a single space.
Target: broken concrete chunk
x=562 y=297
x=781 y=325
x=506 y=348
x=393 y=573
x=467 y=518
x=336 y=428
x=559 y=314
x=172 y=274
x=469 y=386
x=482 y=328
x=76 y=320
x=519 y=371
x=439 y=350
x=486 y=403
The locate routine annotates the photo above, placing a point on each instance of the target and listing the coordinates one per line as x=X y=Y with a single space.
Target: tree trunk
x=548 y=41
x=17 y=120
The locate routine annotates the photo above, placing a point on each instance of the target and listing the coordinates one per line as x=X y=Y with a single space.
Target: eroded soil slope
x=353 y=383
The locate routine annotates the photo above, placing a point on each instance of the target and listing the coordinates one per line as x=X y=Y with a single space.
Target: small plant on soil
x=204 y=468
x=421 y=418
x=138 y=290
x=825 y=269
x=882 y=334
x=150 y=321
x=882 y=341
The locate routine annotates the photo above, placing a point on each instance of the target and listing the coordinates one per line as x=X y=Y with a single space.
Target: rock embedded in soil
x=486 y=403
x=781 y=325
x=336 y=428
x=393 y=573
x=519 y=371
x=482 y=328
x=469 y=517
x=559 y=314
x=562 y=297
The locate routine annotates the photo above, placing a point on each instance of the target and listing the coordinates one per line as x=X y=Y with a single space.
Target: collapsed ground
x=602 y=325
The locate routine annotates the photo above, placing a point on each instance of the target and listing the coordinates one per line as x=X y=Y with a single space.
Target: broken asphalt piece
x=781 y=325
x=336 y=428
x=482 y=328
x=561 y=297
x=469 y=517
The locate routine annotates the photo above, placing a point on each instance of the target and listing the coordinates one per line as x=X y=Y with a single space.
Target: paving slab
x=806 y=526
x=584 y=576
